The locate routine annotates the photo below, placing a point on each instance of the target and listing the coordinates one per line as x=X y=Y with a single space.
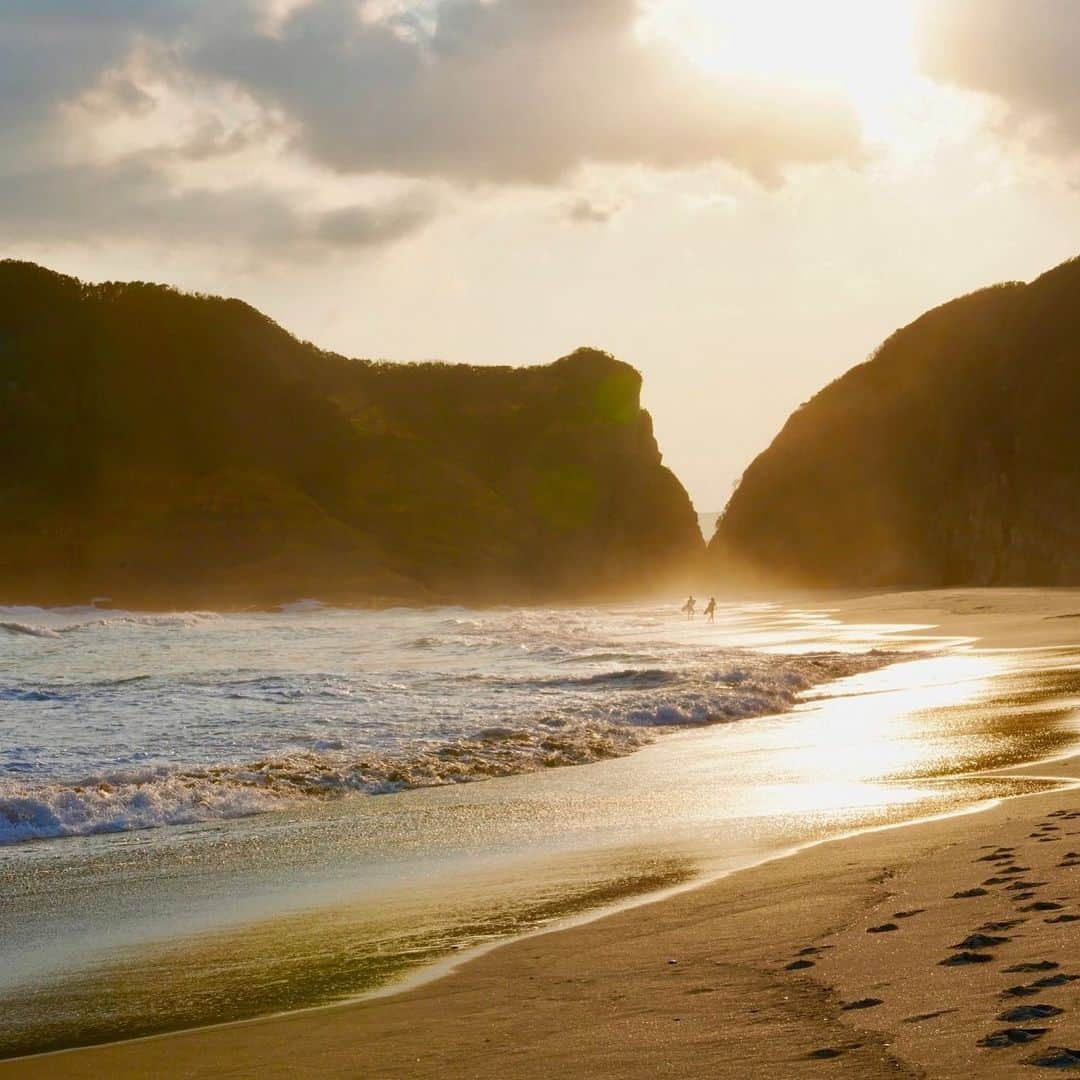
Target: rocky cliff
x=157 y=447
x=951 y=457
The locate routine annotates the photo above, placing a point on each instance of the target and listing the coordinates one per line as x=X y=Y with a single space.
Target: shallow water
x=106 y=936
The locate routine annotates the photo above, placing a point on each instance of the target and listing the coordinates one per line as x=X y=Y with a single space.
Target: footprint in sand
x=1055 y=1057
x=1055 y=980
x=862 y=1003
x=1012 y=1037
x=980 y=941
x=827 y=1052
x=1008 y=924
x=962 y=958
x=884 y=928
x=1022 y=1013
x=926 y=1016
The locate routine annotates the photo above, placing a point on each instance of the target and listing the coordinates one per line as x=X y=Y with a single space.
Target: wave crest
x=638 y=702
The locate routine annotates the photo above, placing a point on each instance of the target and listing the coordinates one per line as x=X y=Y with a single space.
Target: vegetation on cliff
x=951 y=457
x=163 y=447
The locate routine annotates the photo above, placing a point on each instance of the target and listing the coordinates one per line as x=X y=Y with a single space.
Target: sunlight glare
x=861 y=52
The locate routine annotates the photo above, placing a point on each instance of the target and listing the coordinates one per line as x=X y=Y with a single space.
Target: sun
x=858 y=50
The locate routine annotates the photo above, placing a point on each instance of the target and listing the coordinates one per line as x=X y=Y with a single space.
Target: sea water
x=114 y=720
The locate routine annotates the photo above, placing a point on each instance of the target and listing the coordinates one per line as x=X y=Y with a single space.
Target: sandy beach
x=945 y=948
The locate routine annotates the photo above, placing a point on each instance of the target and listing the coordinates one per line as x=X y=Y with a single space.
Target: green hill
x=951 y=457
x=158 y=447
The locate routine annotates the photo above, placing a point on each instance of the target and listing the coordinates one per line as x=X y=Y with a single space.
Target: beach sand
x=827 y=962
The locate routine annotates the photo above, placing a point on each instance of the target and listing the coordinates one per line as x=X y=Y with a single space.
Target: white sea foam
x=55 y=810
x=140 y=720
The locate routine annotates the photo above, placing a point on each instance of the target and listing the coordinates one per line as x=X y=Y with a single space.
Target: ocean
x=119 y=720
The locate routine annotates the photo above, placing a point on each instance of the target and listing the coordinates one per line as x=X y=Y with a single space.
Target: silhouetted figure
x=688 y=607
x=710 y=609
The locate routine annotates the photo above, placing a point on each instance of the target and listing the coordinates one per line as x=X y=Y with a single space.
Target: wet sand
x=829 y=961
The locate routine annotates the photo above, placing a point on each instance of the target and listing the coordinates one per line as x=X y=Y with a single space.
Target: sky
x=741 y=199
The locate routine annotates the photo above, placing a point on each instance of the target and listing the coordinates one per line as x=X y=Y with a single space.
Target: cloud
x=129 y=201
x=513 y=91
x=372 y=225
x=247 y=121
x=1023 y=53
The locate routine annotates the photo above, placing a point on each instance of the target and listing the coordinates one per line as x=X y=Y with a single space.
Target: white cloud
x=242 y=120
x=1023 y=54
x=518 y=91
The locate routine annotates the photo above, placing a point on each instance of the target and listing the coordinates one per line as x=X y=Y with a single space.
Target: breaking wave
x=28 y=630
x=591 y=718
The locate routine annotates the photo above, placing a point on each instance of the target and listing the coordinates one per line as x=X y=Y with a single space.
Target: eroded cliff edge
x=164 y=448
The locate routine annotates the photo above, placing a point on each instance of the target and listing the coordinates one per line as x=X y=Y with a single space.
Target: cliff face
x=161 y=447
x=951 y=457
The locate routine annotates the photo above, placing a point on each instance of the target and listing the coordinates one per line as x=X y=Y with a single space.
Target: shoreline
x=447 y=1014
x=825 y=873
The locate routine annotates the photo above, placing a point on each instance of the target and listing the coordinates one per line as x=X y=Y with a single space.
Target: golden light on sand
x=888 y=729
x=860 y=52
